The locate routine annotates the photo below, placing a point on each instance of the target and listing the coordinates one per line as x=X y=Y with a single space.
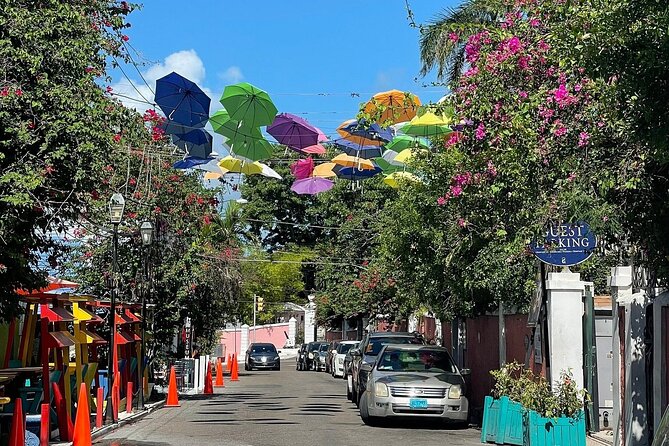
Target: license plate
x=263 y=359
x=417 y=403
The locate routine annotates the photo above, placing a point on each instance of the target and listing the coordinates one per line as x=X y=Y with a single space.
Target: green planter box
x=563 y=431
x=502 y=421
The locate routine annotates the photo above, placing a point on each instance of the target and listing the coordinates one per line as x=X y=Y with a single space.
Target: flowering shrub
x=534 y=392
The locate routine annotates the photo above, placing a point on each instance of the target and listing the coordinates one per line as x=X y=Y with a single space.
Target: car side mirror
x=466 y=372
x=355 y=352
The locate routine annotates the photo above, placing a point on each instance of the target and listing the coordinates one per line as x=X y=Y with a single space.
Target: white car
x=342 y=349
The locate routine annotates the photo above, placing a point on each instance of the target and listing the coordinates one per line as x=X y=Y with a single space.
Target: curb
x=597 y=441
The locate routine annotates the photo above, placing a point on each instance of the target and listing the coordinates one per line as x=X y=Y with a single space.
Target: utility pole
x=255 y=308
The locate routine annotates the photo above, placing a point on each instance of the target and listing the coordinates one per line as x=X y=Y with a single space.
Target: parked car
x=320 y=357
x=365 y=355
x=339 y=356
x=262 y=356
x=311 y=354
x=348 y=359
x=300 y=359
x=332 y=351
x=415 y=381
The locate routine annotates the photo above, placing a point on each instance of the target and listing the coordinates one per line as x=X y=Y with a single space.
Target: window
x=431 y=361
x=376 y=344
x=269 y=348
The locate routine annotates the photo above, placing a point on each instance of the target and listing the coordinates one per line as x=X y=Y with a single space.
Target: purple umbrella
x=311 y=186
x=302 y=168
x=293 y=131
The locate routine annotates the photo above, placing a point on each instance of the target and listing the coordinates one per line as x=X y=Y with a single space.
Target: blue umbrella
x=182 y=101
x=353 y=173
x=374 y=131
x=190 y=161
x=358 y=150
x=197 y=143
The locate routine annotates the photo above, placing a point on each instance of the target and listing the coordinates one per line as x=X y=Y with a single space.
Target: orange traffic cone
x=17 y=432
x=219 y=375
x=229 y=363
x=235 y=370
x=208 y=387
x=82 y=422
x=172 y=397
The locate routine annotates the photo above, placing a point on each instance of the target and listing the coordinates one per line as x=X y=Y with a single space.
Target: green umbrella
x=248 y=104
x=427 y=125
x=401 y=142
x=231 y=129
x=252 y=148
x=243 y=141
x=386 y=166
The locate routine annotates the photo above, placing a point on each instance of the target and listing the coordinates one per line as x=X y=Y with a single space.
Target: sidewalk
x=603 y=438
x=123 y=419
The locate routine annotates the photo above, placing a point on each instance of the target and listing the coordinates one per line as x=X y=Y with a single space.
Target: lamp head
x=116 y=206
x=146 y=231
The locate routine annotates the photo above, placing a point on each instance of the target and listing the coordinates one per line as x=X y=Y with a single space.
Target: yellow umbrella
x=324 y=170
x=235 y=165
x=427 y=125
x=406 y=155
x=395 y=106
x=352 y=161
x=392 y=179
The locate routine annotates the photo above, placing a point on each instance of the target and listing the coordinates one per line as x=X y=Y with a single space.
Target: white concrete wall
x=660 y=365
x=565 y=325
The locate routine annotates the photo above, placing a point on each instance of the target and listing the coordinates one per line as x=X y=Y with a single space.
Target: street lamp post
x=146 y=231
x=116 y=206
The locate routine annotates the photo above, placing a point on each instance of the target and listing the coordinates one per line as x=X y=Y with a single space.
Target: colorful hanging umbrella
x=395 y=179
x=268 y=171
x=248 y=104
x=182 y=101
x=311 y=186
x=364 y=134
x=214 y=175
x=351 y=161
x=427 y=125
x=250 y=147
x=401 y=142
x=406 y=155
x=357 y=150
x=235 y=165
x=316 y=149
x=231 y=129
x=189 y=162
x=353 y=173
x=324 y=170
x=394 y=106
x=293 y=131
x=386 y=166
x=302 y=168
x=195 y=143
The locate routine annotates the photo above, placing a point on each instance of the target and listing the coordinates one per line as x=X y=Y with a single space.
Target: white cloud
x=134 y=93
x=232 y=75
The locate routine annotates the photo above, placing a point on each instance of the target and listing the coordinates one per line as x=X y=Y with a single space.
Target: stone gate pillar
x=243 y=343
x=292 y=331
x=565 y=325
x=310 y=320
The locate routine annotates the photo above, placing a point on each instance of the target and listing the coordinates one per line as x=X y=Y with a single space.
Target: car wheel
x=354 y=396
x=246 y=367
x=277 y=368
x=364 y=412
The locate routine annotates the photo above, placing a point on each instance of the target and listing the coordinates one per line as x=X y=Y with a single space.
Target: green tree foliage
x=57 y=126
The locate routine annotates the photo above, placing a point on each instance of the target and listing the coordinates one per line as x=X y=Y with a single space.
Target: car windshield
x=263 y=349
x=344 y=348
x=376 y=344
x=431 y=361
x=313 y=347
x=324 y=348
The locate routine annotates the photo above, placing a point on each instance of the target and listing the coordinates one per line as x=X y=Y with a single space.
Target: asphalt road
x=277 y=408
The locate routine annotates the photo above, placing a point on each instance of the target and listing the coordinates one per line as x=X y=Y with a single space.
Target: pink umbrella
x=311 y=186
x=302 y=168
x=316 y=149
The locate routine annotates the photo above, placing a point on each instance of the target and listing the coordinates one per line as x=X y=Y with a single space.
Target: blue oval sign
x=566 y=244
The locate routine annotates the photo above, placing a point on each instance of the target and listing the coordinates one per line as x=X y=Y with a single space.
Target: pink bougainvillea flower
x=441 y=201
x=456 y=190
x=18 y=92
x=561 y=93
x=583 y=138
x=534 y=23
x=513 y=45
x=480 y=131
x=453 y=37
x=461 y=222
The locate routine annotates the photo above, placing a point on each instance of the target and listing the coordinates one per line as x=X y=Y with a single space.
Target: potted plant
x=502 y=412
x=524 y=411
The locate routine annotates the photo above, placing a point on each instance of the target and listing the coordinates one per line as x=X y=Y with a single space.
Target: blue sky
x=312 y=56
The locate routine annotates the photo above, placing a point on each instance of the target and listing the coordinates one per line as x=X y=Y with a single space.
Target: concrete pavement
x=276 y=408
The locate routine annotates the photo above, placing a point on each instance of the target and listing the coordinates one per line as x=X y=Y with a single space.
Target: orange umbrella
x=324 y=170
x=394 y=106
x=353 y=161
x=355 y=138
